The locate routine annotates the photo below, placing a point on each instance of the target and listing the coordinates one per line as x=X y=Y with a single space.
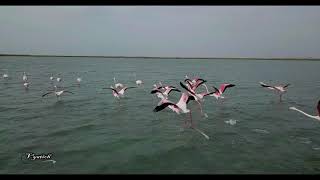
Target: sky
x=165 y=31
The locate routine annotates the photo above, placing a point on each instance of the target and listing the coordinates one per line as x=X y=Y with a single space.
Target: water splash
x=231 y=122
x=261 y=131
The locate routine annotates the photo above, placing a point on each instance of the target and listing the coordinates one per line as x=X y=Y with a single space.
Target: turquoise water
x=90 y=132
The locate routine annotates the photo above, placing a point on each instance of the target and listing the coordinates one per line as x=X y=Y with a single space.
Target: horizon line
x=163 y=57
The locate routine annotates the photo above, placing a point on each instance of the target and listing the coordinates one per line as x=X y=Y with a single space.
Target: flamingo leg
x=200 y=108
x=192 y=125
x=184 y=125
x=119 y=102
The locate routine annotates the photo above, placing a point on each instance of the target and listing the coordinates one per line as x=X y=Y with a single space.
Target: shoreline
x=155 y=57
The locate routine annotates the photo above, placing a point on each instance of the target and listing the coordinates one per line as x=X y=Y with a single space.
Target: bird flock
x=189 y=92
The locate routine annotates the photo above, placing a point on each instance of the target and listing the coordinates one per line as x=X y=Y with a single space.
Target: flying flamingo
x=57 y=93
x=220 y=91
x=117 y=93
x=197 y=96
x=156 y=90
x=194 y=83
x=280 y=89
x=180 y=107
x=138 y=82
x=163 y=95
x=310 y=116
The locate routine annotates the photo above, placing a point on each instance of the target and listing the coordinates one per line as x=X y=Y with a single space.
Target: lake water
x=90 y=132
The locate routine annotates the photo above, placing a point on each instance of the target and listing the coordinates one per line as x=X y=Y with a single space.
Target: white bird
x=280 y=89
x=24 y=77
x=57 y=93
x=310 y=116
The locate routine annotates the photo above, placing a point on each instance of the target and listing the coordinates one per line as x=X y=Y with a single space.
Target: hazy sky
x=198 y=31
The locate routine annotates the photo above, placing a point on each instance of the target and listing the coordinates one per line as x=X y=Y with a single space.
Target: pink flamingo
x=117 y=93
x=280 y=89
x=197 y=96
x=218 y=93
x=180 y=107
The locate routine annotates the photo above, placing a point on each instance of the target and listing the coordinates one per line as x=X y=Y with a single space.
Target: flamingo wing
x=199 y=82
x=68 y=92
x=112 y=90
x=286 y=85
x=183 y=86
x=208 y=93
x=264 y=85
x=188 y=81
x=267 y=86
x=190 y=98
x=164 y=105
x=128 y=88
x=155 y=91
x=216 y=89
x=223 y=87
x=173 y=89
x=46 y=94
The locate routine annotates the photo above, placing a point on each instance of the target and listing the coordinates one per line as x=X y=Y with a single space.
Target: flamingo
x=79 y=80
x=310 y=116
x=220 y=91
x=197 y=96
x=138 y=82
x=157 y=91
x=180 y=107
x=194 y=83
x=51 y=77
x=24 y=77
x=280 y=89
x=59 y=79
x=164 y=95
x=26 y=85
x=5 y=75
x=57 y=93
x=119 y=93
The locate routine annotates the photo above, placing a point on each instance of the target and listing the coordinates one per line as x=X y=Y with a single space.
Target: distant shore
x=155 y=57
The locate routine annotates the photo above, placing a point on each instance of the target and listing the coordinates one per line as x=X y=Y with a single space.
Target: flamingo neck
x=206 y=87
x=306 y=114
